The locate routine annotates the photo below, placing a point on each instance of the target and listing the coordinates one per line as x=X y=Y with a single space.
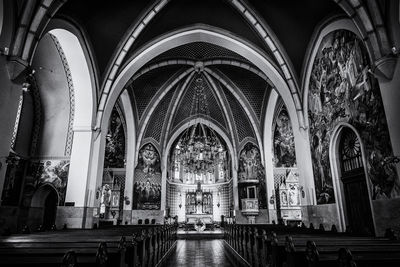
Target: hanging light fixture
x=199 y=150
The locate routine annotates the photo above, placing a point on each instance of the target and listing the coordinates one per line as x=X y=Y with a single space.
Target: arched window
x=350 y=151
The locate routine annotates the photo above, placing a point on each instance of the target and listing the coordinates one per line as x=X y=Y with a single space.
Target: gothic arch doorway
x=45 y=200
x=352 y=176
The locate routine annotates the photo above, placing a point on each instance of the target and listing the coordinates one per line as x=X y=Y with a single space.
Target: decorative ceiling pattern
x=147 y=85
x=156 y=122
x=199 y=51
x=199 y=99
x=243 y=125
x=252 y=86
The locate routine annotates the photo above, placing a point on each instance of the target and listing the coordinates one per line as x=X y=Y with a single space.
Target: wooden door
x=50 y=210
x=354 y=184
x=357 y=204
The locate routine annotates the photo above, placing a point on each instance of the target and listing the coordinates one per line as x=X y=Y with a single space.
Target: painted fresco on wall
x=147 y=186
x=55 y=172
x=284 y=150
x=251 y=168
x=249 y=163
x=115 y=142
x=343 y=90
x=48 y=171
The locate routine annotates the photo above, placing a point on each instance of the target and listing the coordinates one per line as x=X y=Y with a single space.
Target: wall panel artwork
x=251 y=169
x=147 y=186
x=115 y=142
x=343 y=90
x=284 y=150
x=46 y=171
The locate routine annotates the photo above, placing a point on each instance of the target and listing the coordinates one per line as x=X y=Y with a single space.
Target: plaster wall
x=53 y=87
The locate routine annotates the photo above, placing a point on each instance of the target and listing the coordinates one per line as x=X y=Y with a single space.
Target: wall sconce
x=4 y=51
x=219 y=199
x=303 y=194
x=98 y=192
x=127 y=201
x=180 y=200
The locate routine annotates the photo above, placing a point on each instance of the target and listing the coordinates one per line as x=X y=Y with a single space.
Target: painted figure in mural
x=150 y=157
x=115 y=142
x=284 y=150
x=250 y=163
x=342 y=90
x=147 y=186
x=55 y=172
x=49 y=175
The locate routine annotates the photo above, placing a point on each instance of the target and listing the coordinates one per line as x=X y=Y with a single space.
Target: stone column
x=77 y=191
x=12 y=75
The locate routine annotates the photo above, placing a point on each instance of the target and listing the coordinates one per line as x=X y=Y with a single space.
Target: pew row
x=148 y=246
x=258 y=246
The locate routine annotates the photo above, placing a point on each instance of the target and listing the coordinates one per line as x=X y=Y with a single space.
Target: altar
x=194 y=218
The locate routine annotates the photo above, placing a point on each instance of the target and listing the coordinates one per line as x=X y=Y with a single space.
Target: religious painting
x=147 y=186
x=115 y=142
x=54 y=172
x=342 y=89
x=284 y=150
x=252 y=170
x=249 y=163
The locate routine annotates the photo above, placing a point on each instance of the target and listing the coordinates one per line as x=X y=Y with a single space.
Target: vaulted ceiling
x=212 y=81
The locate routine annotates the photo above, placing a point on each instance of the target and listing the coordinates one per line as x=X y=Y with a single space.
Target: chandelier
x=199 y=151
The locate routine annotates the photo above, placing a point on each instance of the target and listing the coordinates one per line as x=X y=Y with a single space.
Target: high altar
x=199 y=206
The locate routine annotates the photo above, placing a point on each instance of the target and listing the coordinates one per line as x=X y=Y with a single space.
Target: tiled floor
x=195 y=253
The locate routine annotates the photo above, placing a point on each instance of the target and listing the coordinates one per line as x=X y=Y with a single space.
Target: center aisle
x=195 y=253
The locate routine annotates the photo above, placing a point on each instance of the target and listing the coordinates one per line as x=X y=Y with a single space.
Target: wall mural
x=55 y=172
x=284 y=150
x=147 y=186
x=343 y=90
x=251 y=168
x=250 y=163
x=48 y=171
x=115 y=142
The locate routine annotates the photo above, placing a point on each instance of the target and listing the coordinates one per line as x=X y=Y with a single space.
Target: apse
x=199 y=178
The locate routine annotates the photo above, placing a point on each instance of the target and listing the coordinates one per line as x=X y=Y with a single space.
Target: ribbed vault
x=199 y=92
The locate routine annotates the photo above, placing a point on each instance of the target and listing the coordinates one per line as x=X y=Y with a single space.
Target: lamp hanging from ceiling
x=199 y=150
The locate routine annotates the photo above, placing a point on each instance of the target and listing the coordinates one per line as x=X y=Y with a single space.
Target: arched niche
x=43 y=208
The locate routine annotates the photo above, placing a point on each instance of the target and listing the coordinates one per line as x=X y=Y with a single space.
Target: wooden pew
x=146 y=247
x=260 y=247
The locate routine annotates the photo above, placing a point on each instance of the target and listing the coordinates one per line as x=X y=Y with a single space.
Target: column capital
x=385 y=66
x=18 y=69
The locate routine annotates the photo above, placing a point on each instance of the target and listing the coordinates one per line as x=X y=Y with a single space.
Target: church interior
x=213 y=133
